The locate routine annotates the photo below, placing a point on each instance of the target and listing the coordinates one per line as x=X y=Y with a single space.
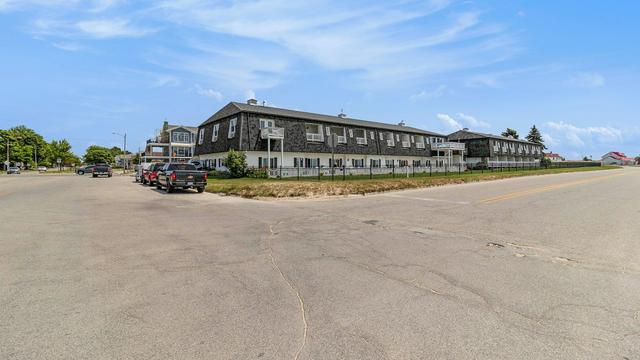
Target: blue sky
x=83 y=69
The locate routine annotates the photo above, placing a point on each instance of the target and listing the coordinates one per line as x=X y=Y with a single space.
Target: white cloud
x=549 y=140
x=450 y=122
x=67 y=46
x=97 y=29
x=472 y=122
x=433 y=94
x=209 y=93
x=582 y=136
x=375 y=43
x=587 y=80
x=110 y=28
x=249 y=94
x=461 y=121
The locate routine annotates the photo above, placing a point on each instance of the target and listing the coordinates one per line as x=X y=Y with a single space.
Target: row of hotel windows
x=314 y=132
x=522 y=148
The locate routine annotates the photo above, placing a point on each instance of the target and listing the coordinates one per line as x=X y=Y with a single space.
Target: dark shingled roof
x=235 y=107
x=466 y=134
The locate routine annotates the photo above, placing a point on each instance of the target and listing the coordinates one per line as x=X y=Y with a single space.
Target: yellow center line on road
x=522 y=193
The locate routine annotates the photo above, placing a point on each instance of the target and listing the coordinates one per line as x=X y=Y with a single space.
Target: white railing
x=406 y=144
x=338 y=172
x=342 y=139
x=390 y=143
x=361 y=141
x=314 y=137
x=272 y=133
x=448 y=146
x=419 y=145
x=499 y=164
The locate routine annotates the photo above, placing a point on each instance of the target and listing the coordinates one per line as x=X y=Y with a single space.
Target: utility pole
x=35 y=152
x=124 y=151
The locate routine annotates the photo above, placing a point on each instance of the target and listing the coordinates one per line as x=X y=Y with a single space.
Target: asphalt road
x=542 y=267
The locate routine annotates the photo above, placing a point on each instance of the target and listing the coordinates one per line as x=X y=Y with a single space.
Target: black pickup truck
x=181 y=176
x=101 y=169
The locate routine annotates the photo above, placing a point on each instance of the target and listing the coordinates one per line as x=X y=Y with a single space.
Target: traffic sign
x=58 y=160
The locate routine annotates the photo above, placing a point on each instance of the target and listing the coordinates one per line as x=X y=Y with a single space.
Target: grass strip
x=307 y=188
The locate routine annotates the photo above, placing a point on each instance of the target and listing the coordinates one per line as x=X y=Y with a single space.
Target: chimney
x=165 y=126
x=401 y=123
x=252 y=102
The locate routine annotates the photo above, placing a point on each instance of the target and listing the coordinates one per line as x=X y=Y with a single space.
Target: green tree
x=535 y=136
x=24 y=145
x=510 y=133
x=237 y=163
x=98 y=154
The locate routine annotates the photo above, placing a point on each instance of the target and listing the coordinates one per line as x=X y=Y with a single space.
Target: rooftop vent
x=465 y=129
x=252 y=102
x=401 y=123
x=342 y=115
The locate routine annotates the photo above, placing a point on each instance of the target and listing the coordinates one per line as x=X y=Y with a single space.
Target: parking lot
x=542 y=267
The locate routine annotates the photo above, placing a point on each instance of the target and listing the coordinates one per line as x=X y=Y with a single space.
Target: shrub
x=257 y=173
x=236 y=163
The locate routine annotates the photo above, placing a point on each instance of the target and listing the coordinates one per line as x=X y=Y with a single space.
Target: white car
x=42 y=168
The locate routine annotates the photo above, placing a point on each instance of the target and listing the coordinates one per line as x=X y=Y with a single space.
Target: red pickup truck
x=151 y=174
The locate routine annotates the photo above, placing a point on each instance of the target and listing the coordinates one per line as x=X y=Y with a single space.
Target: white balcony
x=361 y=141
x=314 y=137
x=342 y=139
x=419 y=145
x=272 y=133
x=390 y=143
x=406 y=144
x=455 y=146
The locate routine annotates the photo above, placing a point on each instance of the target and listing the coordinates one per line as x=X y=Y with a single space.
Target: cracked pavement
x=529 y=268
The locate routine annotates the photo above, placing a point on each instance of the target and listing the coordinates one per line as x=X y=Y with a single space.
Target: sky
x=82 y=70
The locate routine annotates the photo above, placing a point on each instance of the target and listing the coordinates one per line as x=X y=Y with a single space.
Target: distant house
x=554 y=157
x=617 y=158
x=175 y=143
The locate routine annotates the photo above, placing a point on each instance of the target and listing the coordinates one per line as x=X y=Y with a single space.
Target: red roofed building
x=554 y=157
x=617 y=158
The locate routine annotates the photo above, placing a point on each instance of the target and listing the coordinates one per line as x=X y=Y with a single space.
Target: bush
x=257 y=173
x=236 y=163
x=217 y=174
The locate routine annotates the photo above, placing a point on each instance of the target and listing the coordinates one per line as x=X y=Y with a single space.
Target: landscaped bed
x=311 y=187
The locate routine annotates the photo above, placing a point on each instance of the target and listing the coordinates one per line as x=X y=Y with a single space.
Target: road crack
x=274 y=262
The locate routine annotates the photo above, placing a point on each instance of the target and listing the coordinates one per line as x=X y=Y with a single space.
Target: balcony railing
x=314 y=137
x=406 y=144
x=342 y=139
x=272 y=133
x=419 y=145
x=361 y=141
x=390 y=143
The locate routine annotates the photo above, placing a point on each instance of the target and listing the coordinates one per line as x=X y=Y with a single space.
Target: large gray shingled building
x=274 y=137
x=497 y=151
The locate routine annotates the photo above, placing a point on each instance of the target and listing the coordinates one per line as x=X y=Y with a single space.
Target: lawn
x=312 y=187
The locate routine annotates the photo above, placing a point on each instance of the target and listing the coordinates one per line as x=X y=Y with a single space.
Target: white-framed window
x=232 y=127
x=328 y=130
x=216 y=131
x=350 y=133
x=413 y=140
x=398 y=137
x=381 y=136
x=266 y=123
x=201 y=136
x=373 y=136
x=178 y=136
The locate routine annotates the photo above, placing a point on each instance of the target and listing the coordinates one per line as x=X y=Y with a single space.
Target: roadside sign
x=58 y=160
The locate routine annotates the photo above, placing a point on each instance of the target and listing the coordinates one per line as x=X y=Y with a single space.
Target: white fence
x=406 y=171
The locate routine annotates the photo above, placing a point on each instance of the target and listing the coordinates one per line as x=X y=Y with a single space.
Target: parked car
x=181 y=176
x=42 y=168
x=101 y=170
x=13 y=170
x=85 y=170
x=197 y=163
x=150 y=175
